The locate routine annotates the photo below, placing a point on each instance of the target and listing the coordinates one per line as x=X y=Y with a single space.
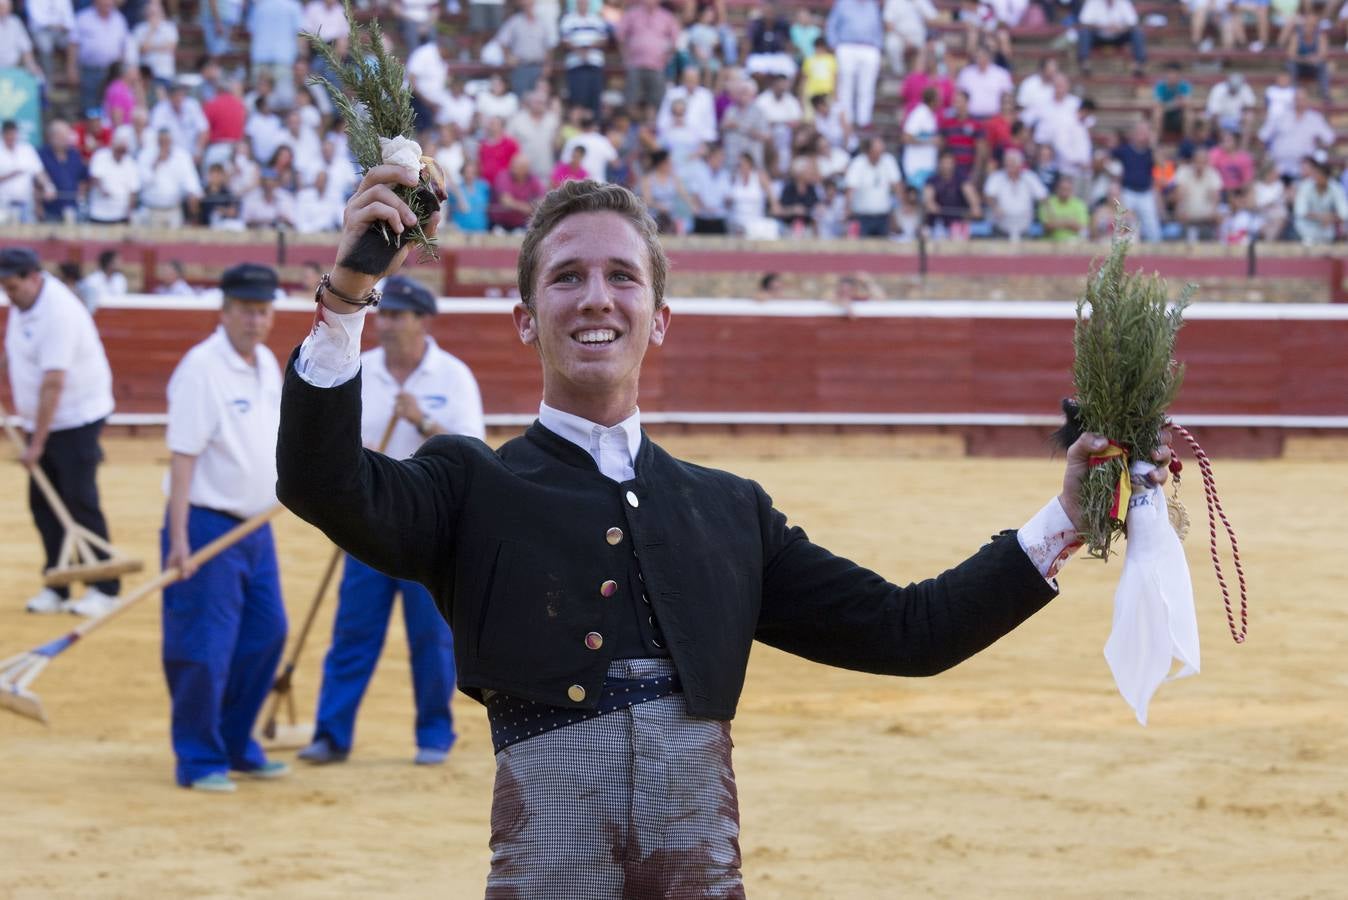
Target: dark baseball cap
x=18 y=261
x=249 y=281
x=401 y=292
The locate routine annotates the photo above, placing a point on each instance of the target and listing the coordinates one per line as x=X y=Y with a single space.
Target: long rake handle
x=168 y=576
x=281 y=687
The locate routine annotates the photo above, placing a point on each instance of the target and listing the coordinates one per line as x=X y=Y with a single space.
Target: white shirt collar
x=613 y=449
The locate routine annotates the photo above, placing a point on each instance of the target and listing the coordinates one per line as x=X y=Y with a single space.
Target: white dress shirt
x=330 y=356
x=443 y=386
x=226 y=413
x=57 y=334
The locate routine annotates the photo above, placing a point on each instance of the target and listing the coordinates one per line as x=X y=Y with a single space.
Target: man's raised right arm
x=397 y=516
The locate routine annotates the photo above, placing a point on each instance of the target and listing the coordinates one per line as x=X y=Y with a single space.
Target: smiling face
x=593 y=315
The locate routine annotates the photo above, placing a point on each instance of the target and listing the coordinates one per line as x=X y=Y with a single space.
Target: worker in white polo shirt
x=62 y=389
x=224 y=623
x=429 y=392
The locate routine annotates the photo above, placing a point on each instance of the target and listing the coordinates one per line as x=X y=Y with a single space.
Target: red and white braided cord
x=1215 y=511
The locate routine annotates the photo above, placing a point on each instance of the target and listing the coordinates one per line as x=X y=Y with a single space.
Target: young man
x=605 y=595
x=62 y=389
x=410 y=380
x=224 y=624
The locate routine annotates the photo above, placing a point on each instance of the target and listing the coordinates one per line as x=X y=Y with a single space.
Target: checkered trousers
x=638 y=803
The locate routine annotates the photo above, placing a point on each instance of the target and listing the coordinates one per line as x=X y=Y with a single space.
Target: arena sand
x=1019 y=774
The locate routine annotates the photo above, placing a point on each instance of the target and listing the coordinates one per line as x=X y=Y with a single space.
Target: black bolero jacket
x=515 y=545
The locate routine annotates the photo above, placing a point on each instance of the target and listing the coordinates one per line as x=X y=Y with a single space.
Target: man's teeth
x=597 y=336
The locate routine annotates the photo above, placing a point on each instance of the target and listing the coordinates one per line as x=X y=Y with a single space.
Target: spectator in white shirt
x=101 y=38
x=1012 y=195
x=317 y=208
x=114 y=180
x=534 y=128
x=496 y=102
x=985 y=83
x=906 y=29
x=599 y=150
x=339 y=172
x=268 y=205
x=1198 y=196
x=584 y=33
x=1037 y=89
x=1056 y=113
x=105 y=281
x=168 y=182
x=921 y=141
x=16 y=47
x=1296 y=135
x=874 y=188
x=23 y=178
x=1112 y=23
x=327 y=19
x=416 y=21
x=427 y=73
x=180 y=114
x=783 y=113
x=699 y=105
x=50 y=25
x=1319 y=207
x=1231 y=104
x=156 y=41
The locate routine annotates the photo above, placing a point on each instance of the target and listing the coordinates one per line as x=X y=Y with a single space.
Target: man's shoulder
x=690 y=476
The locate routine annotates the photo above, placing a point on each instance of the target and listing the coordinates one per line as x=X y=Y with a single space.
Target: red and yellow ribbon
x=1123 y=491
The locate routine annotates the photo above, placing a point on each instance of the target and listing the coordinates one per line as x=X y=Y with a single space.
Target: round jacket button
x=576 y=693
x=594 y=640
x=608 y=588
x=614 y=536
x=632 y=500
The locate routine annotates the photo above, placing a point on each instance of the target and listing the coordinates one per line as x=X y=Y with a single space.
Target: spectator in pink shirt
x=926 y=76
x=647 y=36
x=1234 y=165
x=514 y=194
x=570 y=169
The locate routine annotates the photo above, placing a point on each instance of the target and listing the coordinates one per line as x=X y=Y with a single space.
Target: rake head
x=16 y=673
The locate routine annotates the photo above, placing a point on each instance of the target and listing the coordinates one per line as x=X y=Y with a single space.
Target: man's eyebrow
x=578 y=261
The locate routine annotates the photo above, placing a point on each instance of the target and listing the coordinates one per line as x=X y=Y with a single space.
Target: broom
x=17 y=672
x=84 y=557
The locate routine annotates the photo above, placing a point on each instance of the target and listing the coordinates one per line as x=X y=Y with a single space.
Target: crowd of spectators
x=762 y=131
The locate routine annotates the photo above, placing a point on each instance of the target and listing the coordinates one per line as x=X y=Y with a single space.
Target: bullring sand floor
x=1019 y=774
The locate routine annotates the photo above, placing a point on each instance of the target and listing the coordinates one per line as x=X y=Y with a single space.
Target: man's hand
x=1078 y=463
x=406 y=407
x=373 y=203
x=32 y=453
x=179 y=557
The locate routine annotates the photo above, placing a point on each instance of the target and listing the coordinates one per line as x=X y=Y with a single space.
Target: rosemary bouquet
x=376 y=104
x=1125 y=377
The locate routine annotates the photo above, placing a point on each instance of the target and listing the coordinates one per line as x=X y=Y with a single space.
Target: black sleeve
x=396 y=516
x=830 y=610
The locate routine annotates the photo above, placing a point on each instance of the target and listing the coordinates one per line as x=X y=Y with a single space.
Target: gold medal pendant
x=1179 y=516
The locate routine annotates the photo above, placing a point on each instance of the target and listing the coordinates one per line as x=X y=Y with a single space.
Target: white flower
x=400 y=151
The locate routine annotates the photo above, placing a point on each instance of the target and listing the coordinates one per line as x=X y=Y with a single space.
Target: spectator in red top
x=570 y=169
x=496 y=150
x=515 y=192
x=1234 y=164
x=922 y=78
x=960 y=134
x=647 y=35
x=92 y=133
x=226 y=116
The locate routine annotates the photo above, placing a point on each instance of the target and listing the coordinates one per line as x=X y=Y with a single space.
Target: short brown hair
x=572 y=197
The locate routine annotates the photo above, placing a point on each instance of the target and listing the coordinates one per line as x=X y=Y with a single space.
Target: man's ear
x=524 y=323
x=659 y=324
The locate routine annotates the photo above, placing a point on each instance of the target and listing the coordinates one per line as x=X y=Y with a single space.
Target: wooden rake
x=85 y=557
x=17 y=672
x=292 y=735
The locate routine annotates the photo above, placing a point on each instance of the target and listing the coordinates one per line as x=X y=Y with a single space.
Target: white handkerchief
x=1154 y=620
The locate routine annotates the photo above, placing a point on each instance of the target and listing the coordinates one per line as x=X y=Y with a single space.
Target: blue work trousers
x=224 y=630
x=364 y=605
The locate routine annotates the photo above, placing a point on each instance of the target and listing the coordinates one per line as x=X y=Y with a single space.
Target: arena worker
x=62 y=389
x=605 y=595
x=224 y=623
x=428 y=391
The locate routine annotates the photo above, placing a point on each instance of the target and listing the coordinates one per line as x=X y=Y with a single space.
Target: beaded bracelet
x=325 y=284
